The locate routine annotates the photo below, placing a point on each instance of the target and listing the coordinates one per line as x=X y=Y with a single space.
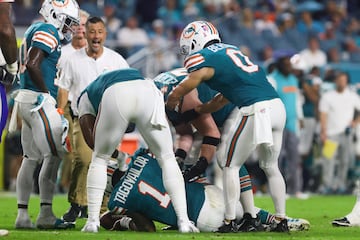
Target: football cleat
x=58 y=224
x=24 y=224
x=341 y=222
x=281 y=226
x=250 y=224
x=73 y=213
x=231 y=227
x=298 y=224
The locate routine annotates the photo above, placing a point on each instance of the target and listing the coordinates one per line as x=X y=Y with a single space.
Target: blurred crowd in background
x=325 y=35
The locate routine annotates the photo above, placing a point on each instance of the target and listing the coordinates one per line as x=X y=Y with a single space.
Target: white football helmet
x=196 y=35
x=61 y=13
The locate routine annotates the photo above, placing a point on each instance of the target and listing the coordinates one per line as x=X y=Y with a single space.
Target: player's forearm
x=7 y=34
x=62 y=98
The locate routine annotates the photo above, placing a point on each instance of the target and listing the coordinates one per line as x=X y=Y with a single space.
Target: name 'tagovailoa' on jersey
x=45 y=37
x=236 y=77
x=142 y=190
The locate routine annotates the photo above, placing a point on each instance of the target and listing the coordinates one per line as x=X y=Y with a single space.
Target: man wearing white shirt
x=80 y=69
x=78 y=41
x=313 y=56
x=337 y=109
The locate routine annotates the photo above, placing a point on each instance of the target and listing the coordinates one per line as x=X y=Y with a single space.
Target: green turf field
x=319 y=210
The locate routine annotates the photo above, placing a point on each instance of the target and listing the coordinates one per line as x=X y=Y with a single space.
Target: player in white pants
x=117 y=98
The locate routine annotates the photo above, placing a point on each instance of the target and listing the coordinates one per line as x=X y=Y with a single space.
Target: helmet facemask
x=61 y=14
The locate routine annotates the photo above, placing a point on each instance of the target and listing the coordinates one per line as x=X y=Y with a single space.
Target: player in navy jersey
x=43 y=127
x=259 y=123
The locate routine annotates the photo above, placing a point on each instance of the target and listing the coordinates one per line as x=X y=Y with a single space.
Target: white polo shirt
x=340 y=109
x=80 y=70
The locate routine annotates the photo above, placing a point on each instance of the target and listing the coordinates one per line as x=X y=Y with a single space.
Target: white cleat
x=91 y=227
x=298 y=224
x=187 y=227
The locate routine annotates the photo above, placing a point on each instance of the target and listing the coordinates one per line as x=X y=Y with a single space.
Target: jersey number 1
x=162 y=198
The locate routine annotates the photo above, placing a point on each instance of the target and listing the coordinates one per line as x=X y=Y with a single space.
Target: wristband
x=211 y=140
x=180 y=153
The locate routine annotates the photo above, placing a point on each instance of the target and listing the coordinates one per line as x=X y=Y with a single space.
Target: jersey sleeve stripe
x=194 y=60
x=45 y=38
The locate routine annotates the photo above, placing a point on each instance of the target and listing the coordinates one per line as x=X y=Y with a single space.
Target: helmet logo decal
x=60 y=3
x=189 y=32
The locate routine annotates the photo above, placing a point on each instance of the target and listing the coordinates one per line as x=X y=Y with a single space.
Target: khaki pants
x=66 y=164
x=82 y=158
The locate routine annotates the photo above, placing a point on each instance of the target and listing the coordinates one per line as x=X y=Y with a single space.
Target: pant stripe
x=234 y=140
x=48 y=134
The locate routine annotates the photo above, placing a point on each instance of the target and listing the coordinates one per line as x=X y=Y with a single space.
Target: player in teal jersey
x=203 y=123
x=169 y=80
x=259 y=123
x=43 y=127
x=103 y=100
x=140 y=190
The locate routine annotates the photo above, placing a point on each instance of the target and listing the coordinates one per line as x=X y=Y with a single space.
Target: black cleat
x=231 y=227
x=73 y=213
x=250 y=224
x=83 y=212
x=342 y=222
x=281 y=226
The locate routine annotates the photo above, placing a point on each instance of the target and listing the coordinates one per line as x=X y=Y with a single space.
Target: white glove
x=42 y=98
x=65 y=140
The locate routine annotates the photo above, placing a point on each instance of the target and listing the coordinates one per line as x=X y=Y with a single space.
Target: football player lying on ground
x=139 y=197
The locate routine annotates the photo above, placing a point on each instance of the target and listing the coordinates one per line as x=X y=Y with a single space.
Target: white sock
x=354 y=215
x=277 y=190
x=247 y=201
x=175 y=187
x=231 y=191
x=96 y=183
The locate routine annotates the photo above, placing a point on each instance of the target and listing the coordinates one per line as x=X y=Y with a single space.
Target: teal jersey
x=205 y=95
x=45 y=37
x=96 y=89
x=287 y=88
x=166 y=82
x=141 y=190
x=236 y=77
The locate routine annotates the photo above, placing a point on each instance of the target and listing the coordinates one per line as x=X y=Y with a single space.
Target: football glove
x=174 y=117
x=193 y=173
x=6 y=77
x=65 y=140
x=177 y=118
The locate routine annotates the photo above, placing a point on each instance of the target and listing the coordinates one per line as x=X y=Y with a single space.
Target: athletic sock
x=96 y=183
